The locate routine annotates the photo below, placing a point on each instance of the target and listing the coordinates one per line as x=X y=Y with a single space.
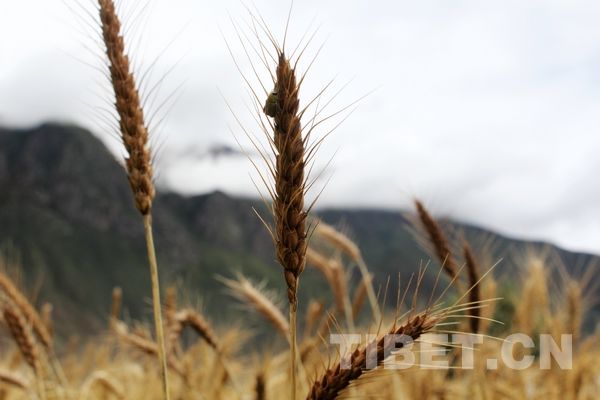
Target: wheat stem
x=158 y=325
x=293 y=313
x=364 y=271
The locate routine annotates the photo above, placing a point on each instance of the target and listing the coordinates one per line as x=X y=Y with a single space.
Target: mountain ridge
x=65 y=208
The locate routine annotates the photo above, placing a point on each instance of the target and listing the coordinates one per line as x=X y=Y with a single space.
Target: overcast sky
x=487 y=110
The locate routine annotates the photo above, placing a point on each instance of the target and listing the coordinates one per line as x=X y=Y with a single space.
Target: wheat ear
x=438 y=240
x=246 y=292
x=191 y=318
x=134 y=134
x=17 y=326
x=334 y=274
x=18 y=299
x=104 y=380
x=13 y=380
x=336 y=379
x=146 y=346
x=290 y=189
x=343 y=242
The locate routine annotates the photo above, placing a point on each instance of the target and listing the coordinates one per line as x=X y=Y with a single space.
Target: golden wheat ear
x=20 y=302
x=334 y=273
x=22 y=336
x=104 y=380
x=256 y=297
x=344 y=244
x=13 y=380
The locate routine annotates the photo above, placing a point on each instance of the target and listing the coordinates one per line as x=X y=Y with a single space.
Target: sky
x=488 y=111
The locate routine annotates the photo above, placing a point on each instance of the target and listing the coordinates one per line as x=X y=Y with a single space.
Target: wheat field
x=453 y=341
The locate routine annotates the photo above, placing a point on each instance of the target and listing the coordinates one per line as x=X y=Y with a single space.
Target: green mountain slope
x=65 y=208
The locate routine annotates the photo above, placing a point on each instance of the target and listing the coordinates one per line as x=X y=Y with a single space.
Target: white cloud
x=487 y=110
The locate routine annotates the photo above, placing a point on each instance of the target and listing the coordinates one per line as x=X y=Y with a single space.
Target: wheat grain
x=19 y=300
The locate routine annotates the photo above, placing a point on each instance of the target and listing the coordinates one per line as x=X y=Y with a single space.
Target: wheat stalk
x=359 y=297
x=313 y=314
x=134 y=135
x=46 y=317
x=115 y=307
x=474 y=287
x=260 y=387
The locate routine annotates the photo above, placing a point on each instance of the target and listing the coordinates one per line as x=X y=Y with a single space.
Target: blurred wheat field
x=217 y=362
x=183 y=354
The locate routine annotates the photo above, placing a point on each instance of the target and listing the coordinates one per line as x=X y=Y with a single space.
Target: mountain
x=67 y=214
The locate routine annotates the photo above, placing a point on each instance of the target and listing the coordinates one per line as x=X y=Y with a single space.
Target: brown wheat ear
x=134 y=135
x=19 y=300
x=336 y=379
x=17 y=327
x=191 y=318
x=288 y=204
x=290 y=189
x=438 y=240
x=134 y=132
